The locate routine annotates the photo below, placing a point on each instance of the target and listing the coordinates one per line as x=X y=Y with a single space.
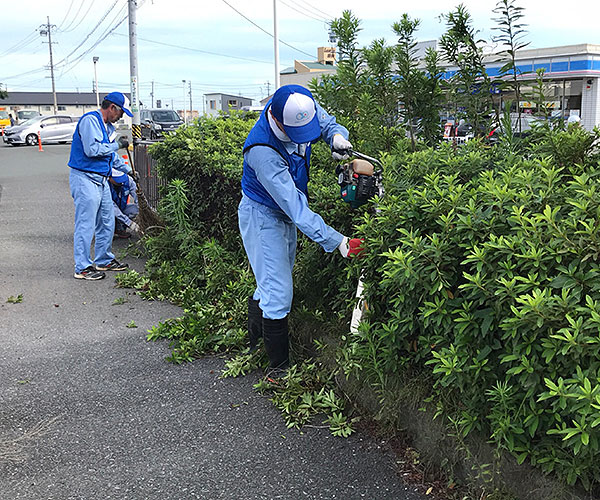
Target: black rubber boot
x=254 y=323
x=275 y=335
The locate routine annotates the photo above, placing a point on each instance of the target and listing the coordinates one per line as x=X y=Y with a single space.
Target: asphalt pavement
x=90 y=410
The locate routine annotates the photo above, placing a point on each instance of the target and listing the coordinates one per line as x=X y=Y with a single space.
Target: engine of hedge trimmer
x=358 y=179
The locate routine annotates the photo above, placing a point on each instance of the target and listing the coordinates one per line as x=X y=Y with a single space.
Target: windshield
x=3 y=115
x=165 y=116
x=27 y=114
x=30 y=121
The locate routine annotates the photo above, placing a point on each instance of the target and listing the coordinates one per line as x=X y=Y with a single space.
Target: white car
x=56 y=128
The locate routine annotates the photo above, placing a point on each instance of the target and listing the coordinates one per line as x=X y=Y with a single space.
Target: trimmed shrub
x=481 y=275
x=492 y=285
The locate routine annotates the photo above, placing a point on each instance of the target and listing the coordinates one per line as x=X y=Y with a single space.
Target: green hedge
x=481 y=275
x=492 y=285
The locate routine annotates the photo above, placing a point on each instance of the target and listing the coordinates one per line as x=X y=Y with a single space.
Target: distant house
x=69 y=103
x=303 y=72
x=216 y=103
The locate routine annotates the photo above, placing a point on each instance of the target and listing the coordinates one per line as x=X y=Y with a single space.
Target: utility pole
x=191 y=117
x=46 y=30
x=268 y=84
x=152 y=95
x=183 y=105
x=136 y=129
x=276 y=44
x=95 y=59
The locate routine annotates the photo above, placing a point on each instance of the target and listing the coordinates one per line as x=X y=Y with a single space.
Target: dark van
x=158 y=122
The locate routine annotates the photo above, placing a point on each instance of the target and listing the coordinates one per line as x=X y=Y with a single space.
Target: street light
x=184 y=115
x=95 y=59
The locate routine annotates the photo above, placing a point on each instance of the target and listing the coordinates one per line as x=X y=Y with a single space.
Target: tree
x=432 y=98
x=410 y=80
x=538 y=95
x=511 y=36
x=470 y=86
x=340 y=93
x=379 y=80
x=3 y=93
x=418 y=90
x=362 y=93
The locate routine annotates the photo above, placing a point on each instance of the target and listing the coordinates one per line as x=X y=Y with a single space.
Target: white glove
x=344 y=248
x=340 y=147
x=351 y=247
x=134 y=226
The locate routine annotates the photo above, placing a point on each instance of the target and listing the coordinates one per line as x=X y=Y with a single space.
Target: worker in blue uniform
x=93 y=156
x=275 y=204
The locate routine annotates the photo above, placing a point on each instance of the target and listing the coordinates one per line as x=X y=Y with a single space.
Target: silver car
x=51 y=129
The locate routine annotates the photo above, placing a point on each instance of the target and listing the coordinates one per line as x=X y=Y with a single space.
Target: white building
x=571 y=77
x=571 y=80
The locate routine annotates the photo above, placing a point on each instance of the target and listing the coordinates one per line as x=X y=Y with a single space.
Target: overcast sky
x=229 y=53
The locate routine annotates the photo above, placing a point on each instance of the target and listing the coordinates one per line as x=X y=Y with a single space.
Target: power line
x=66 y=15
x=196 y=86
x=310 y=6
x=90 y=33
x=78 y=23
x=198 y=50
x=264 y=30
x=306 y=14
x=74 y=17
x=21 y=45
x=24 y=74
x=108 y=31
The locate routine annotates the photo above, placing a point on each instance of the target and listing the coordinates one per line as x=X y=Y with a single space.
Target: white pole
x=136 y=130
x=276 y=44
x=96 y=82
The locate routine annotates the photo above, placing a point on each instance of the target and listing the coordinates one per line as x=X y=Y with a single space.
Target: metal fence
x=145 y=166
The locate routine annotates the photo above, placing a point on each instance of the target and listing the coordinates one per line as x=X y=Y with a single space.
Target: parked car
x=51 y=128
x=26 y=114
x=157 y=122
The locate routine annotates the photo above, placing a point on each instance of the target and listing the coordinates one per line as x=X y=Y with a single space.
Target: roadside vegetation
x=481 y=271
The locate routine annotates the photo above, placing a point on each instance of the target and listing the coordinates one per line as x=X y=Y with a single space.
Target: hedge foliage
x=491 y=282
x=481 y=274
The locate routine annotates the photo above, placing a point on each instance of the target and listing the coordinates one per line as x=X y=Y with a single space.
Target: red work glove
x=351 y=247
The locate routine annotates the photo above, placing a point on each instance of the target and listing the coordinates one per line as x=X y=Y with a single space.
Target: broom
x=148 y=218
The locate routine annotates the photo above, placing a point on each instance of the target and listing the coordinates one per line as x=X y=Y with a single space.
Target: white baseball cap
x=294 y=108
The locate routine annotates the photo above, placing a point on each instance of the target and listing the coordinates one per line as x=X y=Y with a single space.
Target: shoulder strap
x=248 y=148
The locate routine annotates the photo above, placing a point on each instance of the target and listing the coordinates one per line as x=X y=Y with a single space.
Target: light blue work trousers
x=269 y=238
x=94 y=216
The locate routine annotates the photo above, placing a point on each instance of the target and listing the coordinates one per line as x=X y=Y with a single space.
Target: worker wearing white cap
x=275 y=204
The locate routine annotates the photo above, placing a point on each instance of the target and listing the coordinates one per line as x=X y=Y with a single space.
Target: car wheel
x=31 y=140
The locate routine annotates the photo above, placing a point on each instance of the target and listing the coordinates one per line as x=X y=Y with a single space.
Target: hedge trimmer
x=358 y=179
x=359 y=182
